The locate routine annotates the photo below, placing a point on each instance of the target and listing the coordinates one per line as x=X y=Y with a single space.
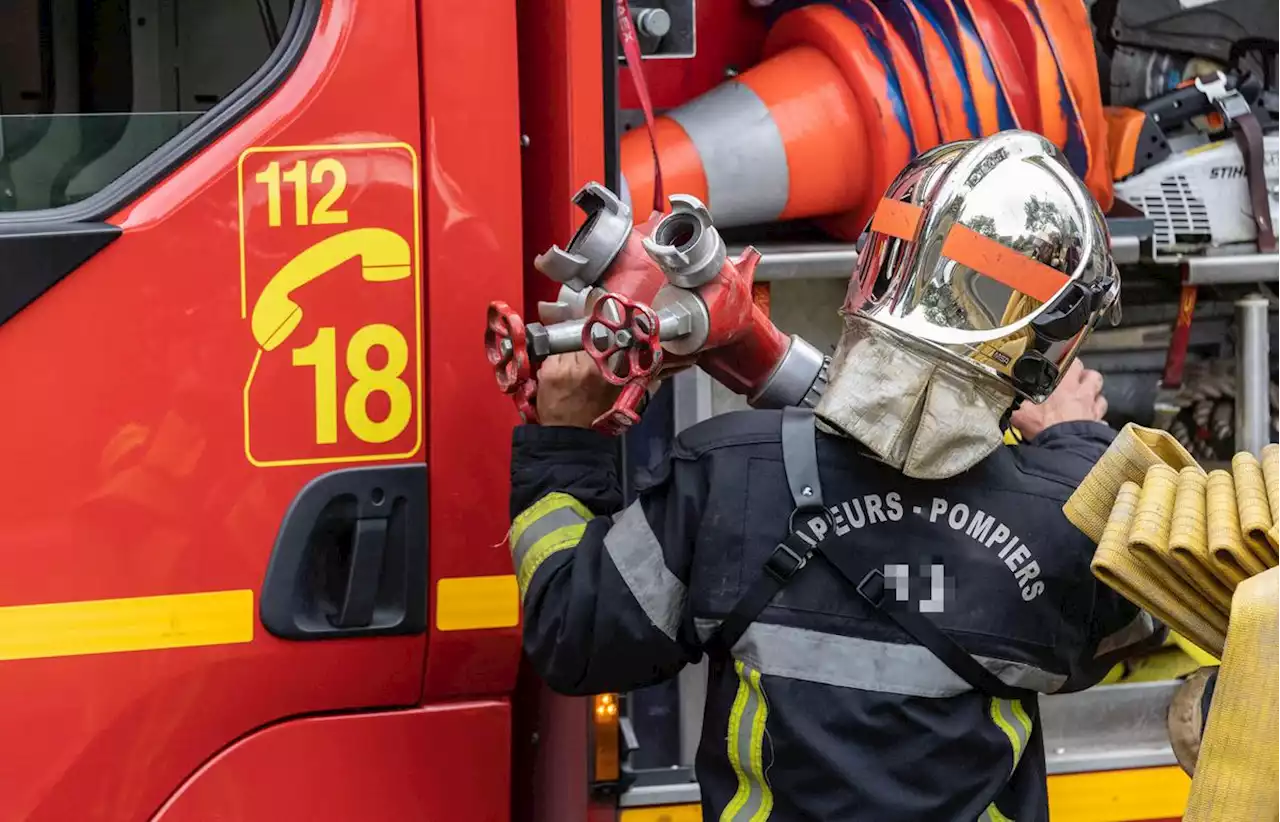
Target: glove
x=1188 y=714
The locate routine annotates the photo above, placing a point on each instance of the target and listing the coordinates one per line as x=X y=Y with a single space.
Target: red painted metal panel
x=561 y=112
x=126 y=473
x=439 y=762
x=471 y=168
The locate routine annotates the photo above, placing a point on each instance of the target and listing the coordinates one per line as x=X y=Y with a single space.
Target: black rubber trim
x=1152 y=146
x=313 y=564
x=168 y=157
x=609 y=51
x=37 y=255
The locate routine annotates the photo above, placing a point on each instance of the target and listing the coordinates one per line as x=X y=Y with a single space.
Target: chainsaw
x=645 y=302
x=1205 y=196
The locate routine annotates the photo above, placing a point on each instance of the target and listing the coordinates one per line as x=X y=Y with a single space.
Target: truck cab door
x=217 y=521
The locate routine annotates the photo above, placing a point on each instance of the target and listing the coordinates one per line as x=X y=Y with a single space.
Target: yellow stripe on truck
x=662 y=813
x=1119 y=796
x=1136 y=795
x=112 y=626
x=475 y=603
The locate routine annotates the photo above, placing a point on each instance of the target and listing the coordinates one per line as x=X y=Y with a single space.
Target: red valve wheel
x=523 y=398
x=634 y=333
x=623 y=414
x=507 y=347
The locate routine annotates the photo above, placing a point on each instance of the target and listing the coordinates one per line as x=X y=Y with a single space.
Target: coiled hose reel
x=1203 y=419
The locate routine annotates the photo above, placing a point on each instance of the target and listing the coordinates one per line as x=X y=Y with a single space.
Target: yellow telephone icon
x=384 y=256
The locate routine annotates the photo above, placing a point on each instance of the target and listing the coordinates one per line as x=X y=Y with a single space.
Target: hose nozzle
x=599 y=239
x=686 y=245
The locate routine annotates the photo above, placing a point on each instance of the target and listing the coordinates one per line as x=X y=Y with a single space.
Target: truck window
x=90 y=88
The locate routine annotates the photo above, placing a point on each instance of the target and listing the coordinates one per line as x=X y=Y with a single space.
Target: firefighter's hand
x=1078 y=397
x=571 y=391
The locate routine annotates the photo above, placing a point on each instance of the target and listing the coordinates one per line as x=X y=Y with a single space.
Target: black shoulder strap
x=800 y=459
x=922 y=630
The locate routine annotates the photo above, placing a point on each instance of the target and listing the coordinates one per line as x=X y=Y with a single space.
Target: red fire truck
x=255 y=470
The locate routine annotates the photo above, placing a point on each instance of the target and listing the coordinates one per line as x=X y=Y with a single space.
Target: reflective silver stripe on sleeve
x=553 y=520
x=866 y=664
x=637 y=555
x=743 y=156
x=532 y=544
x=1139 y=629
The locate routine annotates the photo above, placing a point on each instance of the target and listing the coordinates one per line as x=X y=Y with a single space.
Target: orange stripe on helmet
x=967 y=247
x=897 y=219
x=1001 y=263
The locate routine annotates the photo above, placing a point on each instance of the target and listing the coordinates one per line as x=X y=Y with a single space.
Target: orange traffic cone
x=849 y=93
x=807 y=132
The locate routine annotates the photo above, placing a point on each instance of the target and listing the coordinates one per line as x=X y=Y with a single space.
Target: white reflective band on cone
x=743 y=156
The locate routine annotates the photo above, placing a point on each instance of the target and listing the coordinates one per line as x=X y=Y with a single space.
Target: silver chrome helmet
x=992 y=254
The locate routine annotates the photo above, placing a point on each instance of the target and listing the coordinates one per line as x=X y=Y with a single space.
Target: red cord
x=631 y=52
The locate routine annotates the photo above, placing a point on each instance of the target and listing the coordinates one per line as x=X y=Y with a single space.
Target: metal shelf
x=1226 y=269
x=803 y=261
x=836 y=261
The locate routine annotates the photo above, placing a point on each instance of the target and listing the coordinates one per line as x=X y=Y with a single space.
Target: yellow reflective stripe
x=753 y=800
x=1004 y=726
x=757 y=752
x=1017 y=736
x=1020 y=714
x=735 y=724
x=539 y=524
x=475 y=603
x=113 y=626
x=1016 y=725
x=551 y=502
x=558 y=540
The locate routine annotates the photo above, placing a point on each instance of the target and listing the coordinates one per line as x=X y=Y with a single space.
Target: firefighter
x=882 y=586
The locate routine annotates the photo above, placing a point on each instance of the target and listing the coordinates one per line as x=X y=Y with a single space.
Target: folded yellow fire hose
x=1198 y=551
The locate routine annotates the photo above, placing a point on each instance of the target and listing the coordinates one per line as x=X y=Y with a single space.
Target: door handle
x=368 y=546
x=350 y=558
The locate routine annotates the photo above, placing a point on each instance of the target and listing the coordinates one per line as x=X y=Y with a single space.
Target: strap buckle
x=784 y=563
x=814 y=511
x=872 y=587
x=1228 y=101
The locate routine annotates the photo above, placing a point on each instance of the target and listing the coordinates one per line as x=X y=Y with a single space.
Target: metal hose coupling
x=594 y=245
x=686 y=245
x=800 y=378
